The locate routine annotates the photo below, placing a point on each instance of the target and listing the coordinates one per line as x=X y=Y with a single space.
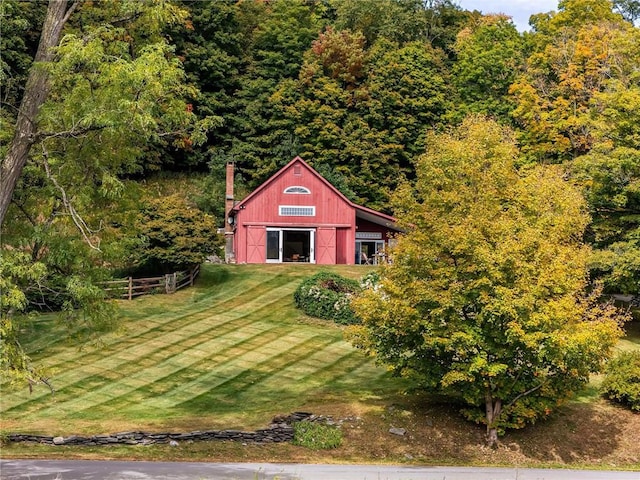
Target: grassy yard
x=233 y=352
x=224 y=353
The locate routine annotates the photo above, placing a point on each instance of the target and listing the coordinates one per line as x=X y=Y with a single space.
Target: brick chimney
x=229 y=255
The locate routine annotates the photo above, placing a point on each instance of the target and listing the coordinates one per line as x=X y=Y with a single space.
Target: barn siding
x=366 y=226
x=263 y=207
x=334 y=221
x=342 y=251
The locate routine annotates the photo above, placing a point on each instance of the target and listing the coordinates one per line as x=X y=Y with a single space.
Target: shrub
x=327 y=295
x=622 y=380
x=174 y=236
x=370 y=280
x=317 y=436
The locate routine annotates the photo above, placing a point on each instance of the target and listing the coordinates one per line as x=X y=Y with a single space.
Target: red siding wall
x=262 y=208
x=256 y=244
x=366 y=226
x=345 y=246
x=333 y=214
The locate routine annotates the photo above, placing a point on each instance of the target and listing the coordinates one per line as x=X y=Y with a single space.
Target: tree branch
x=69 y=12
x=524 y=394
x=27 y=215
x=73 y=133
x=35 y=94
x=77 y=219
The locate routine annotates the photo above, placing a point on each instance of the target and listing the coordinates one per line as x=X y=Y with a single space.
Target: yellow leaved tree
x=486 y=298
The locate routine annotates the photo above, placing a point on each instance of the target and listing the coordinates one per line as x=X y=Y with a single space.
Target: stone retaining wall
x=281 y=430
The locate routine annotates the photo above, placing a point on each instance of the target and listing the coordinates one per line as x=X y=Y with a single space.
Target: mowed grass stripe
x=107 y=388
x=111 y=368
x=185 y=313
x=75 y=401
x=136 y=347
x=220 y=352
x=199 y=377
x=246 y=298
x=169 y=327
x=231 y=368
x=315 y=369
x=113 y=365
x=238 y=373
x=118 y=361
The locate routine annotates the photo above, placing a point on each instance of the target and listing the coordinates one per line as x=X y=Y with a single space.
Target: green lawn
x=233 y=351
x=229 y=353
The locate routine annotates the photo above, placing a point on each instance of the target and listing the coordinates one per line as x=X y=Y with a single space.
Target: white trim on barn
x=297 y=190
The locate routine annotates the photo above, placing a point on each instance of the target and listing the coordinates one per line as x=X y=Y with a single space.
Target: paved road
x=112 y=470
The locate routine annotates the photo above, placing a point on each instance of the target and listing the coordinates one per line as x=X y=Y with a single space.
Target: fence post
x=130 y=288
x=174 y=282
x=191 y=272
x=170 y=282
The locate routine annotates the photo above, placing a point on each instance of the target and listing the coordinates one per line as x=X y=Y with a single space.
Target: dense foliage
x=622 y=380
x=577 y=104
x=485 y=299
x=104 y=98
x=327 y=295
x=353 y=87
x=173 y=236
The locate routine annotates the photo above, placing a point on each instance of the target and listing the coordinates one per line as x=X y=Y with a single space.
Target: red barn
x=298 y=216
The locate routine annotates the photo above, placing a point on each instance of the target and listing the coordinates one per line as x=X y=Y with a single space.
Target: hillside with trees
x=103 y=99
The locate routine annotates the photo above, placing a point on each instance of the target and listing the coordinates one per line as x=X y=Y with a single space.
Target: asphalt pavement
x=117 y=470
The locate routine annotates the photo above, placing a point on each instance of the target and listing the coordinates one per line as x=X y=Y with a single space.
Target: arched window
x=296 y=189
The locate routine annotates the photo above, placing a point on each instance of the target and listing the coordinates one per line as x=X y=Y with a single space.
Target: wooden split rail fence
x=132 y=287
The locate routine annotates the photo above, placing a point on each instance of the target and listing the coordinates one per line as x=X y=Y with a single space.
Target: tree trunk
x=493 y=410
x=35 y=94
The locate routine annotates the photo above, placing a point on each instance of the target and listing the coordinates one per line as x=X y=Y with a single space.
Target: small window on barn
x=297 y=170
x=297 y=189
x=297 y=211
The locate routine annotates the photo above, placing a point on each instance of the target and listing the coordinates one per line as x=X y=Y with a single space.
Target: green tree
x=17 y=273
x=18 y=43
x=436 y=22
x=174 y=235
x=363 y=111
x=629 y=9
x=35 y=93
x=397 y=20
x=275 y=36
x=490 y=55
x=323 y=105
x=485 y=298
x=409 y=92
x=442 y=20
x=577 y=55
x=211 y=52
x=102 y=97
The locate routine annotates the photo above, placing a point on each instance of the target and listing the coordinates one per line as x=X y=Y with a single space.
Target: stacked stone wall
x=281 y=430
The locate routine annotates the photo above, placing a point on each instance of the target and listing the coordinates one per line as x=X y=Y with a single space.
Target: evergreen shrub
x=622 y=380
x=328 y=295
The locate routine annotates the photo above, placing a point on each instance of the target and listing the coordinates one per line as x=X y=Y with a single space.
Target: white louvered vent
x=297 y=211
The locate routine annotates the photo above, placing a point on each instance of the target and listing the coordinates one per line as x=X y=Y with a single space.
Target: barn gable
x=298 y=216
x=295 y=184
